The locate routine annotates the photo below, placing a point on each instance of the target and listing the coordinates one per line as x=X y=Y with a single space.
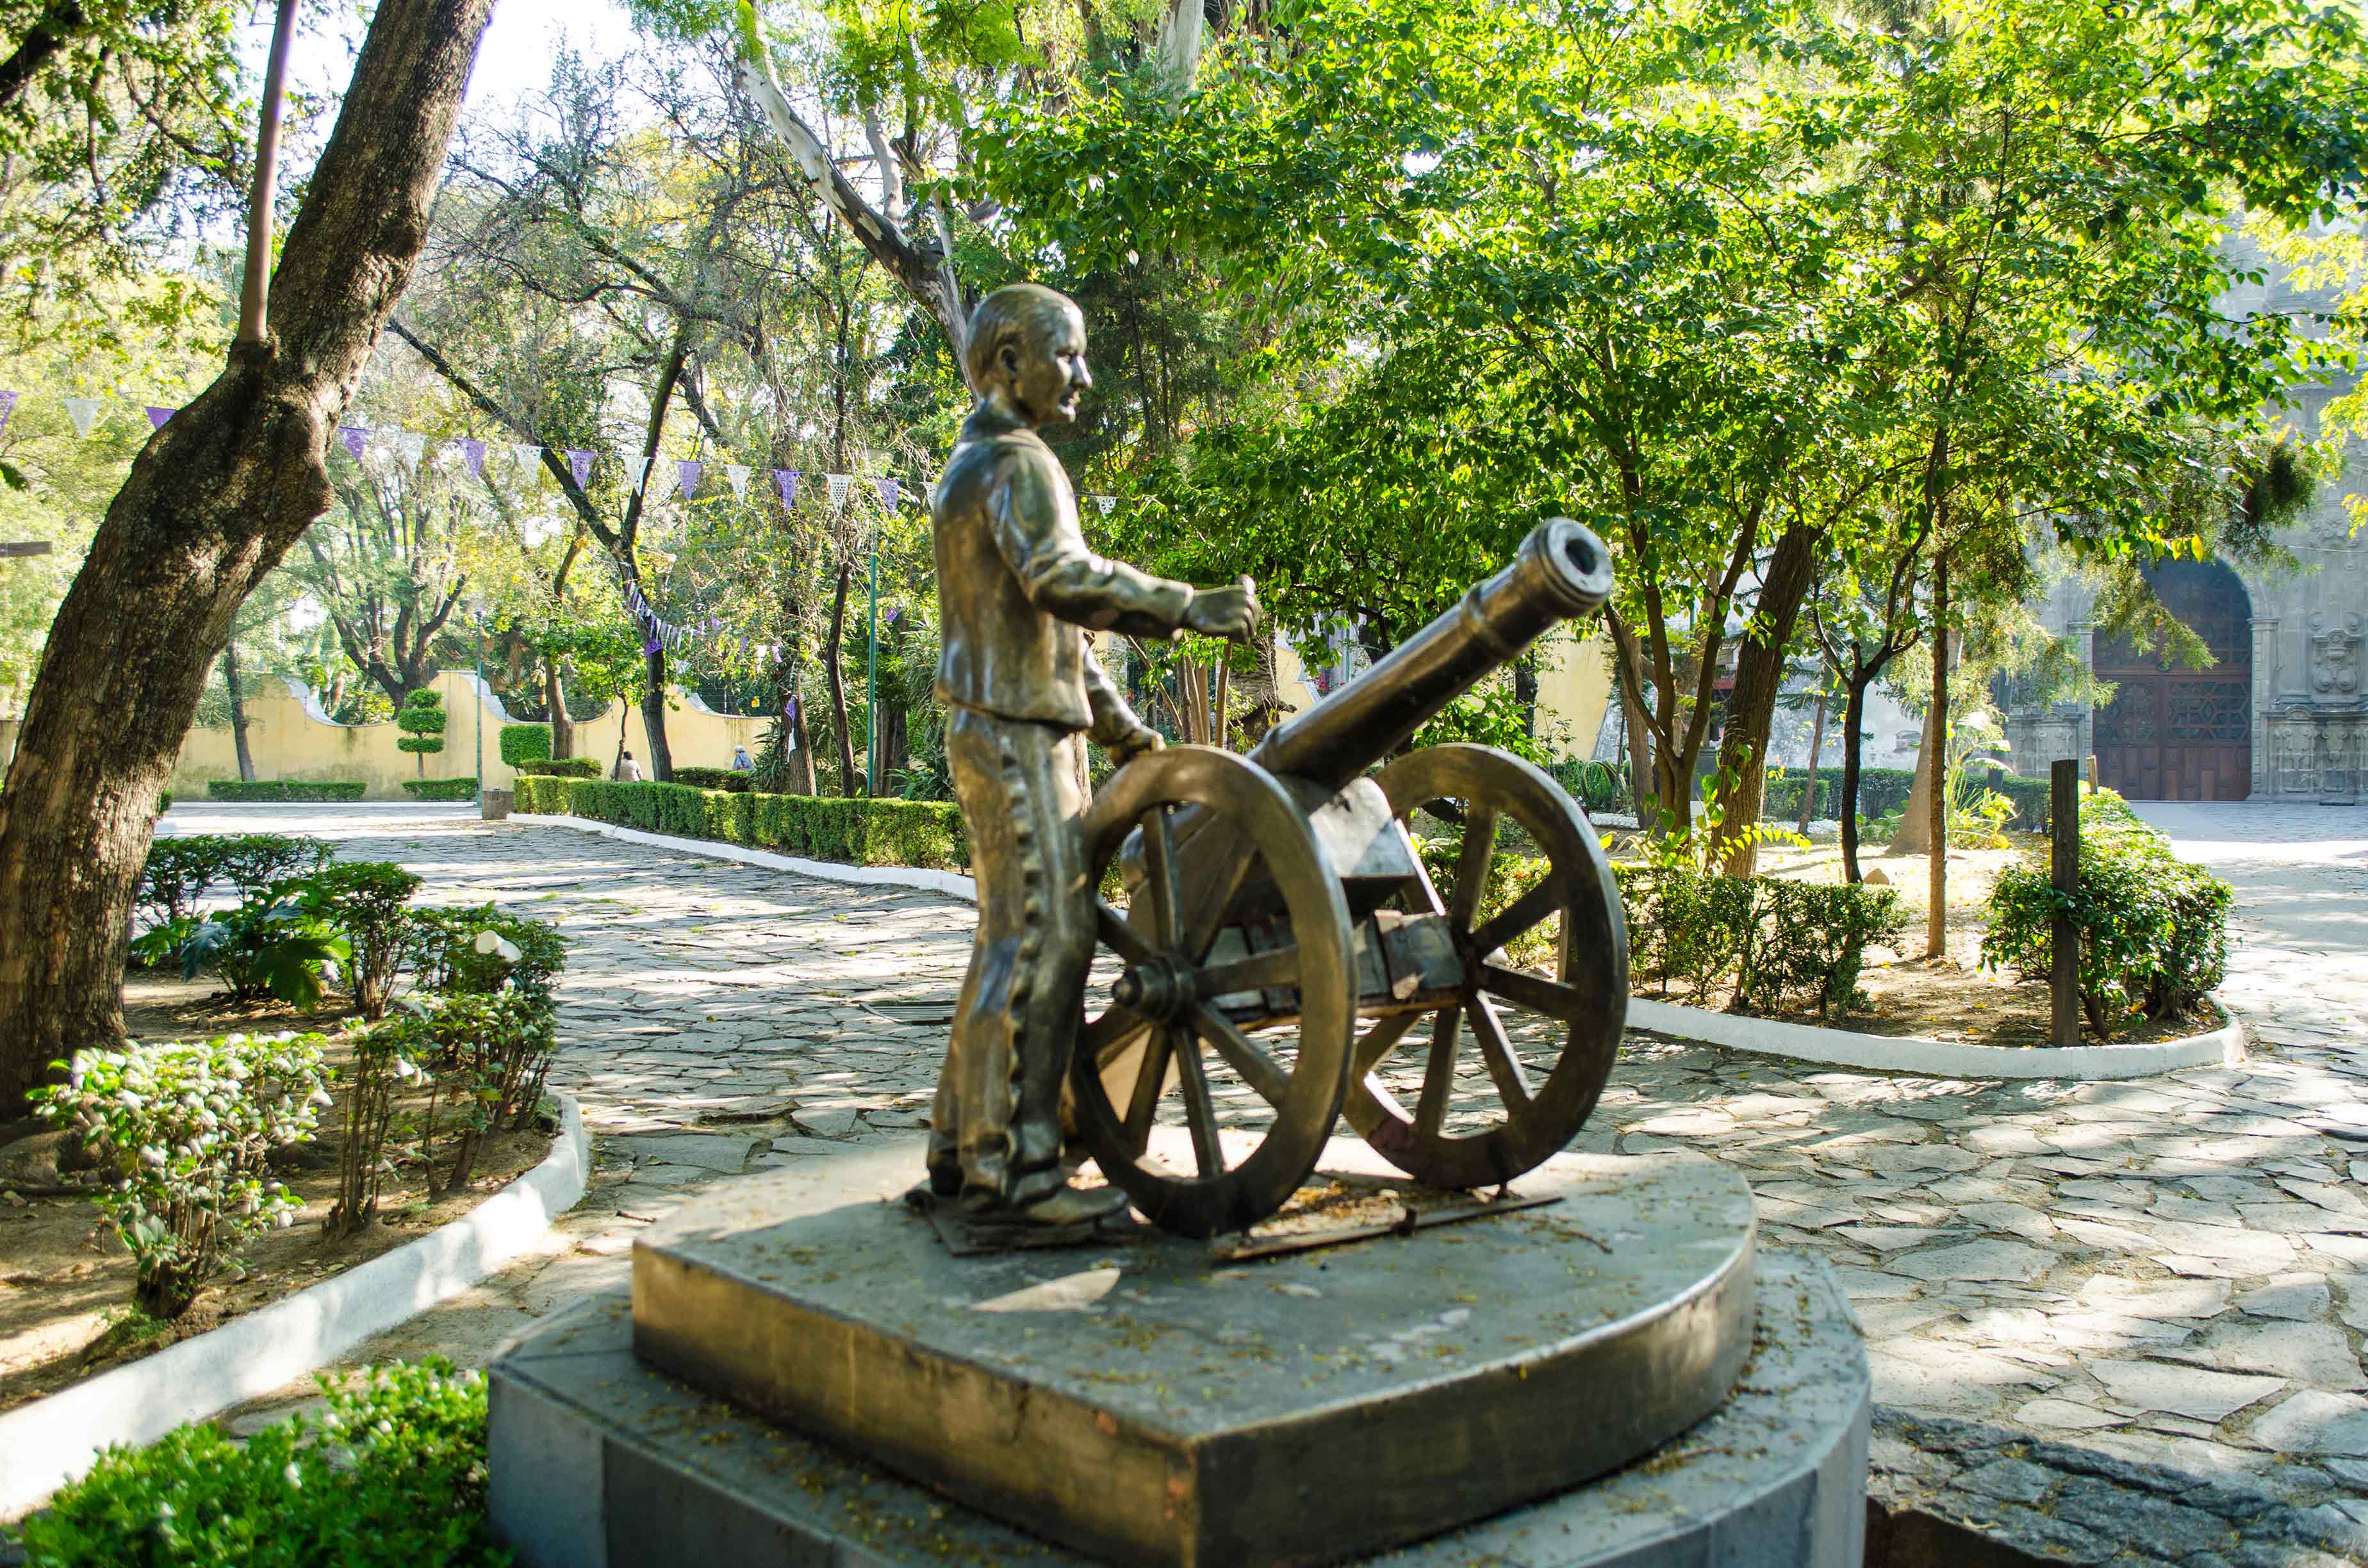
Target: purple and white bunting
x=83 y=412
x=472 y=454
x=888 y=492
x=785 y=480
x=7 y=407
x=737 y=474
x=687 y=474
x=355 y=437
x=839 y=484
x=636 y=470
x=1106 y=503
x=579 y=464
x=157 y=414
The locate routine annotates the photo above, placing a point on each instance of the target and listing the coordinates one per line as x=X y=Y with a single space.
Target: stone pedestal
x=493 y=806
x=843 y=1390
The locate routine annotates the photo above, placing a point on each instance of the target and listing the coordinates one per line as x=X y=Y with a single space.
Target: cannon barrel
x=1561 y=570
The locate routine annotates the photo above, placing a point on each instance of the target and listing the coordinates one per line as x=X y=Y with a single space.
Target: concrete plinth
x=600 y=1462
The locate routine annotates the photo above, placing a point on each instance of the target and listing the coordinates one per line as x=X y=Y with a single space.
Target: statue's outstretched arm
x=1038 y=536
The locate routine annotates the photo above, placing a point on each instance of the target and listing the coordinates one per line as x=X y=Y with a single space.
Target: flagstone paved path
x=2169 y=1273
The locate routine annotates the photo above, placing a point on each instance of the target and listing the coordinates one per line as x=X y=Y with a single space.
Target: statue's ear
x=1007 y=357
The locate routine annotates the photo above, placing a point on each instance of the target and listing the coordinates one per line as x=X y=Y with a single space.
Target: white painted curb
x=1939 y=1058
x=951 y=883
x=52 y=1441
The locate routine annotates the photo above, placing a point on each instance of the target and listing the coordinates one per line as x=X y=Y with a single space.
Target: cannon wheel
x=1587 y=995
x=1161 y=1046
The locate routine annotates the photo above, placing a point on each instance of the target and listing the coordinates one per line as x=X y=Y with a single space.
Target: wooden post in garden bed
x=2064 y=866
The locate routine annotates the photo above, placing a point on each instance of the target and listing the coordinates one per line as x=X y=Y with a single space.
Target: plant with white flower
x=186 y=1126
x=386 y=1060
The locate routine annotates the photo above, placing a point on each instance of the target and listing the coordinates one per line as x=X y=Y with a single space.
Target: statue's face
x=1047 y=373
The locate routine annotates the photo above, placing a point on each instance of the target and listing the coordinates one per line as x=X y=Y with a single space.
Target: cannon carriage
x=1284 y=945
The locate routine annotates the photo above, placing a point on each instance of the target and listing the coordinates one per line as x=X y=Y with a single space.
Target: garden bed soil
x=1953 y=998
x=65 y=1280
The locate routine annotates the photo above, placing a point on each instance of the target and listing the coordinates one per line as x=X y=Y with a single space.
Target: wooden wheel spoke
x=1472 y=865
x=1504 y=1067
x=1439 y=1073
x=1259 y=971
x=1160 y=879
x=1216 y=839
x=1562 y=1003
x=1528 y=911
x=1118 y=935
x=1199 y=1109
x=1262 y=1072
x=1375 y=1043
x=1112 y=1033
x=1142 y=1102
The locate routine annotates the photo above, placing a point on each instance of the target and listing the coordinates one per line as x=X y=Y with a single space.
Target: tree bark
x=1853 y=750
x=555 y=701
x=1936 y=923
x=846 y=774
x=1816 y=744
x=653 y=713
x=60 y=21
x=1914 y=836
x=237 y=712
x=1759 y=668
x=211 y=504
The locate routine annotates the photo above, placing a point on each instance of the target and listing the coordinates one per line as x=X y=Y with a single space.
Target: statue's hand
x=1232 y=613
x=1136 y=739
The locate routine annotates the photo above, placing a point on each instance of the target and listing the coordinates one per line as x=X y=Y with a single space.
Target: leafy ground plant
x=368 y=901
x=273 y=944
x=386 y=1059
x=393 y=1476
x=187 y=1126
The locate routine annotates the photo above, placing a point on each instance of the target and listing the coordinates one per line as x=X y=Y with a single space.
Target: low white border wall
x=951 y=883
x=1770 y=1037
x=1938 y=1058
x=52 y=1441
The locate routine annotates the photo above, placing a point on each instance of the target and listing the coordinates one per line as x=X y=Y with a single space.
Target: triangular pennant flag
x=580 y=465
x=411 y=444
x=638 y=468
x=839 y=484
x=355 y=437
x=786 y=481
x=686 y=473
x=888 y=493
x=7 y=407
x=524 y=456
x=1106 y=503
x=83 y=412
x=158 y=414
x=473 y=453
x=738 y=474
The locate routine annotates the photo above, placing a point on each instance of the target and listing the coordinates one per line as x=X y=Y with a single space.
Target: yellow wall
x=290 y=737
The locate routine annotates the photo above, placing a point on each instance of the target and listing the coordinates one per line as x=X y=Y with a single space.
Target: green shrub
x=441 y=788
x=494 y=1053
x=392 y=1476
x=852 y=830
x=562 y=767
x=536 y=793
x=2153 y=929
x=422 y=719
x=179 y=871
x=186 y=1126
x=273 y=944
x=385 y=1058
x=1598 y=785
x=715 y=779
x=1770 y=943
x=285 y=790
x=446 y=955
x=522 y=744
x=366 y=900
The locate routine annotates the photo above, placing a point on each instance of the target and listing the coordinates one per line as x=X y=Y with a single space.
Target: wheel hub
x=1158 y=989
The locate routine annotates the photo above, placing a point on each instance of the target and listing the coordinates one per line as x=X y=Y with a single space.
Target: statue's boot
x=1068 y=1205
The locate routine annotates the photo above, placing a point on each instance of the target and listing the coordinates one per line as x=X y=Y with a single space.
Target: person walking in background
x=628 y=770
x=741 y=761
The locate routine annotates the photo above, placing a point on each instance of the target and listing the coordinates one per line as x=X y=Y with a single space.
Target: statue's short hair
x=1010 y=314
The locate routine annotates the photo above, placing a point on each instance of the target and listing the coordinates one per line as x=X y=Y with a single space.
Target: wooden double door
x=2174 y=733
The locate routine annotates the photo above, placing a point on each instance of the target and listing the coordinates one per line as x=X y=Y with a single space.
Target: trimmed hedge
x=1882 y=790
x=561 y=767
x=855 y=832
x=442 y=788
x=1771 y=943
x=284 y=790
x=525 y=743
x=721 y=779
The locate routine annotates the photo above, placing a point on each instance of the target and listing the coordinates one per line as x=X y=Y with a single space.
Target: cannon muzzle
x=1561 y=572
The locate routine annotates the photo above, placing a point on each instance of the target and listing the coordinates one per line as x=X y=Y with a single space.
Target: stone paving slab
x=2170 y=1272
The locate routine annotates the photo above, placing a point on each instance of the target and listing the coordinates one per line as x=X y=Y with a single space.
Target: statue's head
x=1027 y=347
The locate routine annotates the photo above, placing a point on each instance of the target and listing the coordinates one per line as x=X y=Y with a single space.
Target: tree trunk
x=1816 y=744
x=846 y=774
x=211 y=504
x=1759 y=667
x=1853 y=749
x=237 y=712
x=1936 y=923
x=554 y=699
x=1916 y=816
x=654 y=714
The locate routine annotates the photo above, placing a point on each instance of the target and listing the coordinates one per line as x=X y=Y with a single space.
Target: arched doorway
x=2173 y=733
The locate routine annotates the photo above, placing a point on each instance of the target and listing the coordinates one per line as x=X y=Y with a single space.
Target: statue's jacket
x=1016 y=582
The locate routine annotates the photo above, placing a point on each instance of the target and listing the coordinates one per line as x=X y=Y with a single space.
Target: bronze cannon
x=1283 y=937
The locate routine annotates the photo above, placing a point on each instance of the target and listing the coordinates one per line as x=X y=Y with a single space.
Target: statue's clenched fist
x=1230 y=613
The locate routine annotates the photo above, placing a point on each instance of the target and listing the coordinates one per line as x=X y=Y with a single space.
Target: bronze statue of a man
x=1017 y=588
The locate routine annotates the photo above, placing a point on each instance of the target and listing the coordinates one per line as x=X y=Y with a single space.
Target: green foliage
x=368 y=901
x=851 y=830
x=2153 y=929
x=525 y=743
x=494 y=1050
x=386 y=1059
x=561 y=767
x=721 y=779
x=459 y=952
x=1699 y=846
x=285 y=789
x=393 y=1476
x=422 y=719
x=441 y=788
x=273 y=944
x=1599 y=786
x=1882 y=791
x=179 y=871
x=185 y=1128
x=1772 y=943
